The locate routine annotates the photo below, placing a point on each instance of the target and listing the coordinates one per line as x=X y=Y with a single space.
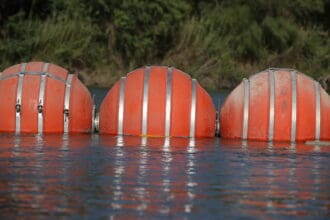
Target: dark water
x=108 y=177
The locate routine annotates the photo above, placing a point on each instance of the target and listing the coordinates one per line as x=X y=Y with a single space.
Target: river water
x=109 y=177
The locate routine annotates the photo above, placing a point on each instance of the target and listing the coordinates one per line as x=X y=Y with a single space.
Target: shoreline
x=210 y=84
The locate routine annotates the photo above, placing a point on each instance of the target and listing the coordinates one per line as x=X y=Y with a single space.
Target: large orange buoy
x=157 y=101
x=279 y=105
x=43 y=97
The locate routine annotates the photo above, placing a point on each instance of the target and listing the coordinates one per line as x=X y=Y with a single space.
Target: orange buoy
x=279 y=105
x=157 y=101
x=44 y=98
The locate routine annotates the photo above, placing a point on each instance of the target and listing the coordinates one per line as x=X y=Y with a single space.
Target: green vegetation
x=218 y=42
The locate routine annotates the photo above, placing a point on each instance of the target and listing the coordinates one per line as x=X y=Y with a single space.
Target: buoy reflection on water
x=108 y=176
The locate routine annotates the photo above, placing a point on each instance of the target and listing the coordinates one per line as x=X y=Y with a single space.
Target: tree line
x=218 y=42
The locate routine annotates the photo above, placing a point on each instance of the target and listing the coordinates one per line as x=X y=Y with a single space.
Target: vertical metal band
x=193 y=108
x=217 y=118
x=246 y=84
x=168 y=102
x=294 y=106
x=97 y=122
x=145 y=101
x=317 y=111
x=217 y=123
x=121 y=106
x=271 y=105
x=19 y=98
x=67 y=102
x=93 y=117
x=93 y=114
x=41 y=97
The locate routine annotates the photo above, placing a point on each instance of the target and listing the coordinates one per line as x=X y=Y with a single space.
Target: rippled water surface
x=104 y=176
x=109 y=177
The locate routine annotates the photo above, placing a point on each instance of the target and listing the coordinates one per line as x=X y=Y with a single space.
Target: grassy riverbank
x=217 y=42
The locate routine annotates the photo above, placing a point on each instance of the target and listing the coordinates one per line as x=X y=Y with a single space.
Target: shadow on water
x=97 y=176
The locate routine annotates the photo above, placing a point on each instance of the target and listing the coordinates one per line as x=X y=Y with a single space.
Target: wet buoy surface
x=277 y=105
x=39 y=97
x=157 y=101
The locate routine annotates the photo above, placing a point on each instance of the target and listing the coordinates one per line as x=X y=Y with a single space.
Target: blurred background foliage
x=218 y=42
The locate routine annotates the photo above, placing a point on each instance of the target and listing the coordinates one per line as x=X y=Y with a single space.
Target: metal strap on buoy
x=33 y=73
x=19 y=98
x=293 y=105
x=174 y=109
x=246 y=84
x=168 y=106
x=217 y=119
x=94 y=116
x=121 y=106
x=317 y=111
x=97 y=122
x=34 y=92
x=294 y=110
x=145 y=101
x=42 y=97
x=67 y=102
x=193 y=108
x=271 y=105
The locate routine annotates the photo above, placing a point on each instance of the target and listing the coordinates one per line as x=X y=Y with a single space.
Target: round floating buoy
x=279 y=105
x=157 y=101
x=43 y=97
